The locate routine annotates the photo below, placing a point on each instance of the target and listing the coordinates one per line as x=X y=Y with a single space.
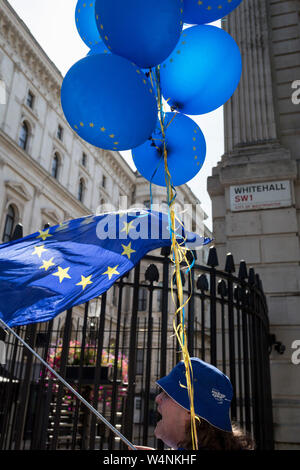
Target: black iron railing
x=113 y=353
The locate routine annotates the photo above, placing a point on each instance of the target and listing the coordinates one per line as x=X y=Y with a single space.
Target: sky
x=52 y=24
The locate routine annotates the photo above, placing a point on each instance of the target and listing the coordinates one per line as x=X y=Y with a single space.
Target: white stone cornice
x=38 y=175
x=18 y=189
x=50 y=214
x=25 y=46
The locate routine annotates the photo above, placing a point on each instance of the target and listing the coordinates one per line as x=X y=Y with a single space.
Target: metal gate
x=114 y=348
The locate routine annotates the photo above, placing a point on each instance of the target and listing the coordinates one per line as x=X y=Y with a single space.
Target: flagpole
x=66 y=384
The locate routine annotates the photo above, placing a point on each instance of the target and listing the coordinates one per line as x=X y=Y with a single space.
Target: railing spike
x=229 y=265
x=202 y=283
x=222 y=288
x=212 y=257
x=165 y=251
x=251 y=276
x=243 y=274
x=152 y=274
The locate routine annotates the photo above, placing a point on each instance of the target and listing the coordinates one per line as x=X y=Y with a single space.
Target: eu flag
x=53 y=270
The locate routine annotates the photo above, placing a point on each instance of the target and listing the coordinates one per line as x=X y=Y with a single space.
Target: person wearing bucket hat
x=212 y=392
x=212 y=398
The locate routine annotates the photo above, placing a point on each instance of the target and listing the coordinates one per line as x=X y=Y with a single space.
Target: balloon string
x=171 y=120
x=178 y=254
x=151 y=181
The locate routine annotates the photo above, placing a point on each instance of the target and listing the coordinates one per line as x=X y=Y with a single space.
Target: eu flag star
x=37 y=286
x=128 y=250
x=62 y=274
x=44 y=234
x=111 y=271
x=39 y=250
x=47 y=264
x=84 y=281
x=127 y=227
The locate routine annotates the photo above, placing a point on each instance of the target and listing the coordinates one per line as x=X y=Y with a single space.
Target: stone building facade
x=47 y=173
x=255 y=188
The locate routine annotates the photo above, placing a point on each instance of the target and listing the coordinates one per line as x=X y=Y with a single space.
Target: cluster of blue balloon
x=109 y=99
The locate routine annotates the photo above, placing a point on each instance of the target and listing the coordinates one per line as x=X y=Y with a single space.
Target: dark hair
x=212 y=438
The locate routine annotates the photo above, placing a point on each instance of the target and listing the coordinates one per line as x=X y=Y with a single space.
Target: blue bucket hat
x=212 y=392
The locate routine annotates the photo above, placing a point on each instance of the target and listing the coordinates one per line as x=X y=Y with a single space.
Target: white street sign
x=268 y=195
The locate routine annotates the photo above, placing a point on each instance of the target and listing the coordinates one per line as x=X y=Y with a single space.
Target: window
x=55 y=166
x=30 y=99
x=24 y=135
x=142 y=304
x=60 y=132
x=81 y=190
x=104 y=181
x=84 y=159
x=9 y=224
x=139 y=361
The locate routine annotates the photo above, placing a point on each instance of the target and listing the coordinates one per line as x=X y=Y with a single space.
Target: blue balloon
x=109 y=102
x=203 y=71
x=99 y=48
x=186 y=150
x=206 y=11
x=86 y=22
x=143 y=31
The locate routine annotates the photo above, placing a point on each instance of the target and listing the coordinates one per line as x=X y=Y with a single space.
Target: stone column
x=262 y=148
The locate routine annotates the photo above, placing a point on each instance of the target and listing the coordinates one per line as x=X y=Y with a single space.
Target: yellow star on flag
x=47 y=264
x=127 y=227
x=39 y=250
x=44 y=234
x=84 y=281
x=111 y=271
x=128 y=250
x=62 y=274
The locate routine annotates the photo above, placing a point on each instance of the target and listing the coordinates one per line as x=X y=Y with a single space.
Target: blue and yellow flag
x=53 y=270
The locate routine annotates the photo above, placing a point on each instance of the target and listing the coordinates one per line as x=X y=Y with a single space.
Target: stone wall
x=262 y=129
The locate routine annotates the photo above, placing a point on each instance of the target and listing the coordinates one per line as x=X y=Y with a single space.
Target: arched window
x=9 y=224
x=30 y=99
x=55 y=166
x=81 y=190
x=24 y=135
x=84 y=160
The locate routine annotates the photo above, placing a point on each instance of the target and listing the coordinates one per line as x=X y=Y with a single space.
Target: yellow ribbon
x=179 y=255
